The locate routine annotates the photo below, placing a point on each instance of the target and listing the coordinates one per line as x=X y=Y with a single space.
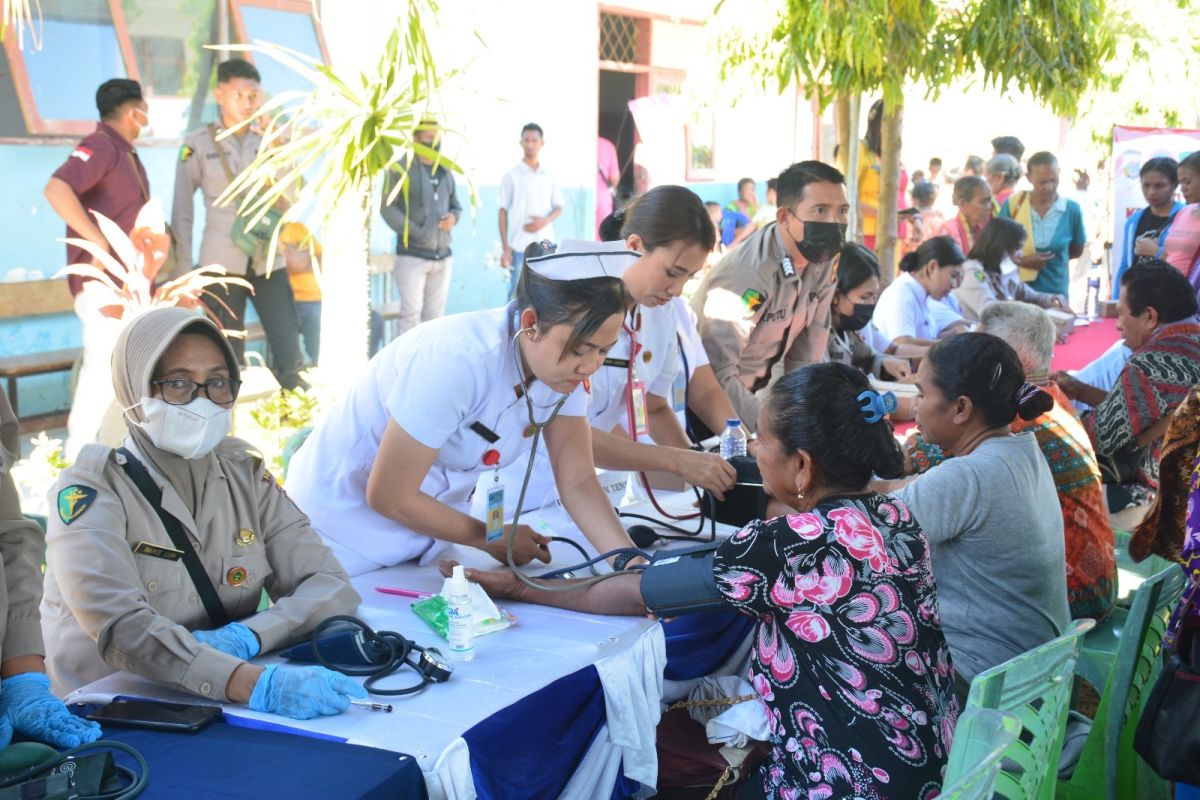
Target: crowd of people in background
x=762 y=308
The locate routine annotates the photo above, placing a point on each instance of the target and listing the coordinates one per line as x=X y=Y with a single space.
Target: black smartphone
x=158 y=716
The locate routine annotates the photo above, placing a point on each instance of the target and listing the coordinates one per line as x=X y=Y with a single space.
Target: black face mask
x=822 y=240
x=857 y=320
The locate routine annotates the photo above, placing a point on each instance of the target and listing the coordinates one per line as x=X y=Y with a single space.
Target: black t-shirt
x=1149 y=223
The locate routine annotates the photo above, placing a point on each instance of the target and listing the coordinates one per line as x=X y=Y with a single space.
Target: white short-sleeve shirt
x=526 y=192
x=655 y=364
x=902 y=311
x=440 y=382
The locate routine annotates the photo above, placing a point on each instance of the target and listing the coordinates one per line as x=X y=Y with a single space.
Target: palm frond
x=20 y=14
x=331 y=144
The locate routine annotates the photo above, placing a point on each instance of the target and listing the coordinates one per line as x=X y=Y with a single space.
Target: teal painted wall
x=30 y=229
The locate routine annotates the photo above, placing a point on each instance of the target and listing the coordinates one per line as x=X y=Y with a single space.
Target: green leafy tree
x=1055 y=50
x=324 y=151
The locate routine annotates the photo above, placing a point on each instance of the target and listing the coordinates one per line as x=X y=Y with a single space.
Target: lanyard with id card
x=494 y=518
x=636 y=408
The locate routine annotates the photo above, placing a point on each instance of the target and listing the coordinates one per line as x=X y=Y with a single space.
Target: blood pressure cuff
x=745 y=502
x=681 y=581
x=348 y=648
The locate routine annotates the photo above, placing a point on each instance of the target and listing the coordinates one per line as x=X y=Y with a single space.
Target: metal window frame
x=304 y=7
x=35 y=123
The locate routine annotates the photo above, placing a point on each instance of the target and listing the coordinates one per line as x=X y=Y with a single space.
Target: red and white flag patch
x=82 y=153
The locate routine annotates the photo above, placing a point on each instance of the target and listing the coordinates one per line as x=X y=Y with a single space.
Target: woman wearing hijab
x=118 y=591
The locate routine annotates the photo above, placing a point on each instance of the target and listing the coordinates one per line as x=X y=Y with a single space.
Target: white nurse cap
x=576 y=260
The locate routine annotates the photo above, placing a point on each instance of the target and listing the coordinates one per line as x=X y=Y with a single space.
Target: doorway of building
x=615 y=123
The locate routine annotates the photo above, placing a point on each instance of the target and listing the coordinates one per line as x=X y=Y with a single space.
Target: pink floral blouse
x=849 y=657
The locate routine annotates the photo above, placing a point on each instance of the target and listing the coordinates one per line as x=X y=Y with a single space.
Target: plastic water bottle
x=459 y=612
x=733 y=440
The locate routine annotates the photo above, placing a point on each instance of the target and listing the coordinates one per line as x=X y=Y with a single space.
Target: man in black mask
x=769 y=298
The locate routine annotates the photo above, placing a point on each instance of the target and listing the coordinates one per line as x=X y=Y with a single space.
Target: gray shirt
x=995 y=534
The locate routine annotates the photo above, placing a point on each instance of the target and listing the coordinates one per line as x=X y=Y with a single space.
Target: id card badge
x=637 y=394
x=495 y=512
x=679 y=392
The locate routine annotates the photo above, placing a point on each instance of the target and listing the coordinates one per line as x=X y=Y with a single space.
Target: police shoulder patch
x=979 y=276
x=753 y=299
x=73 y=500
x=185 y=152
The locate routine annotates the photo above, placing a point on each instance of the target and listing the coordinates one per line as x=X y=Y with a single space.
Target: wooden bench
x=36 y=299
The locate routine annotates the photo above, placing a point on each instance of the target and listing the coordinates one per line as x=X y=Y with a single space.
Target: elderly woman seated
x=849 y=659
x=1091 y=564
x=1156 y=314
x=157 y=545
x=998 y=556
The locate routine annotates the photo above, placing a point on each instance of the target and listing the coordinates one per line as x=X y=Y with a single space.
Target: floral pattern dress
x=849 y=656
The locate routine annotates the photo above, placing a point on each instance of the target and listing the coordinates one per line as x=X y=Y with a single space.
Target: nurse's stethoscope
x=537 y=428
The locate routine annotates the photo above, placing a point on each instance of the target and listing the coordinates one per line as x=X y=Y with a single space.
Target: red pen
x=402 y=592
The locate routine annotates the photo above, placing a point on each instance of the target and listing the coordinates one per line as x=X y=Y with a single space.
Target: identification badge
x=495 y=512
x=679 y=392
x=637 y=395
x=157 y=551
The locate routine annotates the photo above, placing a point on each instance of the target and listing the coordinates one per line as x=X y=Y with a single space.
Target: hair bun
x=1033 y=401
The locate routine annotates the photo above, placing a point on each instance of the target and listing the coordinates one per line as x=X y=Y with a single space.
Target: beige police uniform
x=755 y=308
x=850 y=348
x=199 y=166
x=980 y=287
x=108 y=607
x=21 y=546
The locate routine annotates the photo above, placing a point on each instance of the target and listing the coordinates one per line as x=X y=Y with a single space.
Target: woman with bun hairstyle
x=989 y=513
x=904 y=314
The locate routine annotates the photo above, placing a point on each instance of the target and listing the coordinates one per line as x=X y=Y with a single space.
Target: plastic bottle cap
x=733 y=423
x=458 y=574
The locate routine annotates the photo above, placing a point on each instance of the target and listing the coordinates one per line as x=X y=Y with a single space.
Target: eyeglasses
x=181 y=391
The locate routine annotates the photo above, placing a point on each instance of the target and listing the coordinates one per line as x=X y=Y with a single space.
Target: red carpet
x=1084 y=345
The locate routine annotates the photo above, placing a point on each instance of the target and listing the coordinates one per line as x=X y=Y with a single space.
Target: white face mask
x=191 y=430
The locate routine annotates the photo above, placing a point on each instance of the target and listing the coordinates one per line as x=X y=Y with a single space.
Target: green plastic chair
x=293 y=444
x=1108 y=766
x=1130 y=573
x=980 y=741
x=1099 y=647
x=1035 y=687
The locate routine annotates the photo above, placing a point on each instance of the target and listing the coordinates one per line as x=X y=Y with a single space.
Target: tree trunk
x=845 y=134
x=889 y=190
x=346 y=290
x=852 y=151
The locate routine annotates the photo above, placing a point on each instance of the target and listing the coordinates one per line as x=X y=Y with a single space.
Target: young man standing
x=770 y=298
x=104 y=175
x=422 y=221
x=530 y=201
x=211 y=165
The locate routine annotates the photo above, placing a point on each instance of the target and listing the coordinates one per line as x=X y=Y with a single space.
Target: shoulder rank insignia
x=753 y=299
x=73 y=501
x=787 y=267
x=185 y=152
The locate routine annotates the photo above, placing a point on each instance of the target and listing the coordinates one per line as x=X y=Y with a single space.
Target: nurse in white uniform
x=903 y=314
x=632 y=409
x=388 y=473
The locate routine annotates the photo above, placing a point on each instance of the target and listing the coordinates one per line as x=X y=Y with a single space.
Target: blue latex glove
x=27 y=706
x=303 y=692
x=235 y=639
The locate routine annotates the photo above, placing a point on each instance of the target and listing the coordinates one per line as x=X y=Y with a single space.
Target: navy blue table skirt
x=230 y=761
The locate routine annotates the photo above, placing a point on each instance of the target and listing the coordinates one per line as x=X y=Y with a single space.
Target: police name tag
x=495 y=513
x=637 y=398
x=157 y=551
